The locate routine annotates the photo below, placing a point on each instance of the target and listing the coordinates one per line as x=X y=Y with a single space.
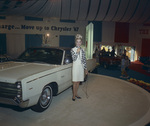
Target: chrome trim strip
x=46 y=75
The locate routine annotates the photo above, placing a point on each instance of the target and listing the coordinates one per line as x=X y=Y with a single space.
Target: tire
x=44 y=100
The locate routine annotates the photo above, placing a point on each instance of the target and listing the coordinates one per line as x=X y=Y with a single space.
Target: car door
x=65 y=73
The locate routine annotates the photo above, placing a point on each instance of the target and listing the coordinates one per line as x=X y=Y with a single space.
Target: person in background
x=113 y=51
x=125 y=52
x=103 y=50
x=127 y=63
x=97 y=56
x=79 y=67
x=124 y=65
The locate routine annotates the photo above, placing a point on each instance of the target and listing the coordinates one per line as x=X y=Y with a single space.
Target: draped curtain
x=131 y=11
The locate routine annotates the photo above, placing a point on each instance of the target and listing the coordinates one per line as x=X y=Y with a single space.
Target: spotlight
x=47 y=35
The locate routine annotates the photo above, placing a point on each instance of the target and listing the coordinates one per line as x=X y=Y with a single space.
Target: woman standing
x=79 y=65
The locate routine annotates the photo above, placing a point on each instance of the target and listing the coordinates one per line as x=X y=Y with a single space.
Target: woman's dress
x=79 y=65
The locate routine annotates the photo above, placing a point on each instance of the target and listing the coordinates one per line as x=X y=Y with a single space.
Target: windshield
x=42 y=55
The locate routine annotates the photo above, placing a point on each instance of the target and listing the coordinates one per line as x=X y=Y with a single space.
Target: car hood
x=14 y=71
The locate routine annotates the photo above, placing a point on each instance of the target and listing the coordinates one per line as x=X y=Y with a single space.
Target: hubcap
x=45 y=97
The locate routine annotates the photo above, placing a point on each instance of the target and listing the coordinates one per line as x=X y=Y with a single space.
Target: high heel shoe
x=73 y=99
x=78 y=97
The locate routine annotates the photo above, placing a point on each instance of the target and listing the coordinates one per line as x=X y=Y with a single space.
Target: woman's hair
x=78 y=36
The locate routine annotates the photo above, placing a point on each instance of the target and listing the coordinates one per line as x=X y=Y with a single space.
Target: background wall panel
x=67 y=41
x=33 y=40
x=145 y=47
x=15 y=44
x=3 y=48
x=122 y=32
x=108 y=32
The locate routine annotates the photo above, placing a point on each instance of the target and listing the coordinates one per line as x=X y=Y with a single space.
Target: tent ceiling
x=132 y=11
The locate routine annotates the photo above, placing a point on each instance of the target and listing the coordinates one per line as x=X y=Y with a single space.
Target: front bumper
x=22 y=104
x=11 y=93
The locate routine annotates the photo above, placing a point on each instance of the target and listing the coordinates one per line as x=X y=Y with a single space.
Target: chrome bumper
x=22 y=104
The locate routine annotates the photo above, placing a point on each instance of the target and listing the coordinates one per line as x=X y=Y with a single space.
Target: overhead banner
x=10 y=27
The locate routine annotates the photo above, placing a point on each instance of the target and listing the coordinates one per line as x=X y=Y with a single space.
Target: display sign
x=144 y=31
x=38 y=28
x=89 y=41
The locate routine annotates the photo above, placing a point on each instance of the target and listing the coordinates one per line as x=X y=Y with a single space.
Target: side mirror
x=68 y=60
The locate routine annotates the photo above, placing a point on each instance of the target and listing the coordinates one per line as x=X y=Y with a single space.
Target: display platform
x=106 y=101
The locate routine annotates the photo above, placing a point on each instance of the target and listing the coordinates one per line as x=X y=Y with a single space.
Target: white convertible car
x=37 y=75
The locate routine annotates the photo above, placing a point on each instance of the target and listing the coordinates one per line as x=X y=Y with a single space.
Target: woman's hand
x=78 y=50
x=86 y=72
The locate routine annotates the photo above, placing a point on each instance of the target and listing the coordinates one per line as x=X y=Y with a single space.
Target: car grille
x=8 y=90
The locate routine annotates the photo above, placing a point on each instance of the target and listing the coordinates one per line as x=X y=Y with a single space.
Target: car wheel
x=44 y=100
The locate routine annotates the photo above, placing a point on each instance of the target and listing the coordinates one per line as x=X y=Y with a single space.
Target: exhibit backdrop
x=17 y=34
x=18 y=31
x=137 y=32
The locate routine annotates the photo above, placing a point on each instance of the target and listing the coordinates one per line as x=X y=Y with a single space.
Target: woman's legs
x=77 y=86
x=75 y=89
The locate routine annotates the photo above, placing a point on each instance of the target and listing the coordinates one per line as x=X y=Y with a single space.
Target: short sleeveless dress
x=77 y=68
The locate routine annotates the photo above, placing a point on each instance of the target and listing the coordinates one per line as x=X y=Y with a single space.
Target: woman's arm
x=74 y=55
x=84 y=60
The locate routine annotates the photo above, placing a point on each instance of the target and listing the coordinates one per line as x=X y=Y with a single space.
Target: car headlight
x=18 y=84
x=18 y=97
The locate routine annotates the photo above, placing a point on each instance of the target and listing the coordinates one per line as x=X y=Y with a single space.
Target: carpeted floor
x=116 y=72
x=137 y=66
